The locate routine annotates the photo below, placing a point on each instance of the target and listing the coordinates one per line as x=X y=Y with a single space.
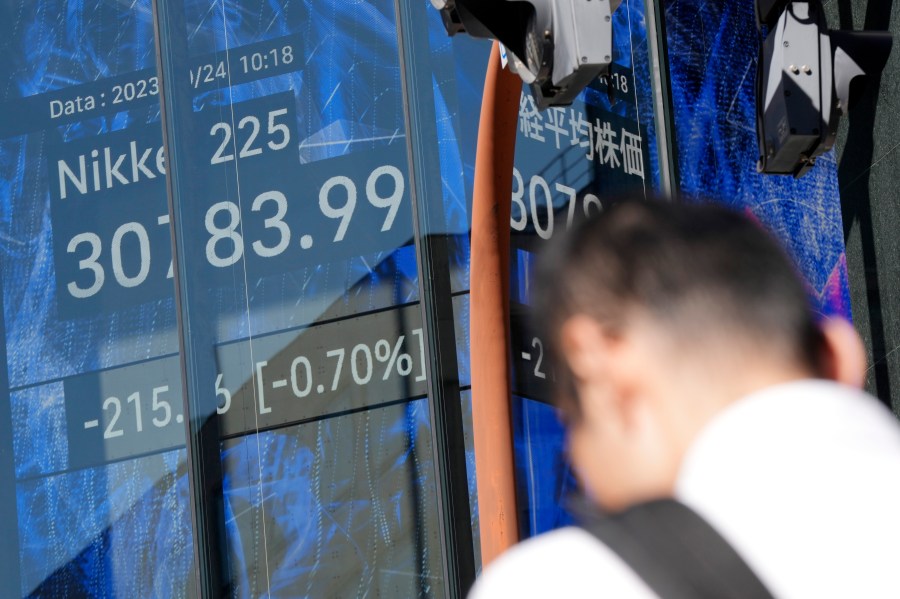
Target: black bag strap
x=675 y=551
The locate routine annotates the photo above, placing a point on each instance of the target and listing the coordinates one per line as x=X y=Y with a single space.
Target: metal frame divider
x=9 y=527
x=664 y=116
x=194 y=333
x=433 y=263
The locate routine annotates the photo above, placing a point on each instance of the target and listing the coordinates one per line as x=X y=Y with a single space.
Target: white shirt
x=803 y=480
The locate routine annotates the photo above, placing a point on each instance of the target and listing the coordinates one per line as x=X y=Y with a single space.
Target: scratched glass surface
x=304 y=272
x=569 y=161
x=79 y=140
x=715 y=123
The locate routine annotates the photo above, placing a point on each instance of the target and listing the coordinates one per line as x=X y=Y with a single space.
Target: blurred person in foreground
x=690 y=366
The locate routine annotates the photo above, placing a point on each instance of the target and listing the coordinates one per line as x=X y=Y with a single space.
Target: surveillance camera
x=557 y=46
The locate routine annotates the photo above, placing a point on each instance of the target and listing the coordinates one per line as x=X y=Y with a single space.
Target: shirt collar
x=751 y=433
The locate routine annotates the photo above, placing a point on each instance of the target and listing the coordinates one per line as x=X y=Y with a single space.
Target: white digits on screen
x=280 y=135
x=219 y=157
x=540 y=183
x=287 y=55
x=140 y=233
x=345 y=212
x=161 y=404
x=89 y=263
x=518 y=200
x=393 y=201
x=572 y=195
x=226 y=396
x=275 y=222
x=170 y=274
x=539 y=346
x=339 y=354
x=248 y=150
x=135 y=398
x=307 y=376
x=229 y=234
x=361 y=350
x=592 y=200
x=279 y=128
x=539 y=194
x=111 y=432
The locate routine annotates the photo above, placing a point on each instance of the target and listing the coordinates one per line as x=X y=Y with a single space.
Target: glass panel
x=94 y=500
x=544 y=477
x=437 y=144
x=715 y=118
x=569 y=161
x=466 y=400
x=299 y=289
x=335 y=507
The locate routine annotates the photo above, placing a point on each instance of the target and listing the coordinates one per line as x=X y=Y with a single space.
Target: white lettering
x=95 y=166
x=80 y=181
x=109 y=167
x=112 y=169
x=140 y=166
x=59 y=108
x=161 y=161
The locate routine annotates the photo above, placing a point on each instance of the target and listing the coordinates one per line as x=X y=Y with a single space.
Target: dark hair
x=696 y=269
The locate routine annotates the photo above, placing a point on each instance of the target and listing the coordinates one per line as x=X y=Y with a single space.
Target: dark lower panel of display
x=335 y=508
x=544 y=478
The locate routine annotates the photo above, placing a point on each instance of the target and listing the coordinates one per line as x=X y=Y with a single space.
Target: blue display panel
x=466 y=401
x=544 y=478
x=95 y=500
x=569 y=161
x=299 y=290
x=715 y=120
x=344 y=505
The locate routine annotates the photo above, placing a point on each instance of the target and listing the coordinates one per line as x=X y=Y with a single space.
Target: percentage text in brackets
x=393 y=357
x=322 y=369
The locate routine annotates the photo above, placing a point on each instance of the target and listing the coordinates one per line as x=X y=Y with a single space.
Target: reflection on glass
x=94 y=500
x=335 y=508
x=466 y=400
x=570 y=162
x=717 y=148
x=544 y=478
x=301 y=295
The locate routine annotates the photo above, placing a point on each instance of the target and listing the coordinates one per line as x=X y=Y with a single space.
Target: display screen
x=570 y=162
x=96 y=500
x=300 y=295
x=292 y=206
x=717 y=147
x=284 y=175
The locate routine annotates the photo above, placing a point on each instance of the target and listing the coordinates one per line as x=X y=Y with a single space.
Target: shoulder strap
x=675 y=551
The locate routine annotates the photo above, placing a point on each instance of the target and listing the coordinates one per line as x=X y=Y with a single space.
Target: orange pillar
x=491 y=205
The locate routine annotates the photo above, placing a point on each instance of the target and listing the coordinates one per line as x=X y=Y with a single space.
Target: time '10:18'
x=260 y=61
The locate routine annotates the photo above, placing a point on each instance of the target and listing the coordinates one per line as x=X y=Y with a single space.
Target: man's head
x=659 y=316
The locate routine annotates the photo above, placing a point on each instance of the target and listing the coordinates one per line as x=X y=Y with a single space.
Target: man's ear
x=597 y=360
x=584 y=346
x=844 y=356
